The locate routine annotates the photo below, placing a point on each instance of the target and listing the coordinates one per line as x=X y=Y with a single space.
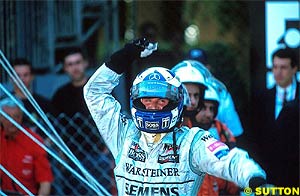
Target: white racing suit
x=143 y=170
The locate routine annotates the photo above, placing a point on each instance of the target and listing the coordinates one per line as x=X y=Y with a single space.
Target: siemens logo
x=142 y=190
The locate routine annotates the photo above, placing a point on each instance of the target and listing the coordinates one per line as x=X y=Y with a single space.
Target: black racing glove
x=123 y=58
x=260 y=186
x=257 y=182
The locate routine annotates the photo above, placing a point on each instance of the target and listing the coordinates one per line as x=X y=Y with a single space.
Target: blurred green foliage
x=228 y=55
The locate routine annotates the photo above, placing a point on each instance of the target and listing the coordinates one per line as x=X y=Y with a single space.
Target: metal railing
x=82 y=137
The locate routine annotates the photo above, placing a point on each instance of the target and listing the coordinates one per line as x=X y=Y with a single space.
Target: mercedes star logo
x=154 y=76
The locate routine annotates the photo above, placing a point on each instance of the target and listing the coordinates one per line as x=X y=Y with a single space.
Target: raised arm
x=104 y=108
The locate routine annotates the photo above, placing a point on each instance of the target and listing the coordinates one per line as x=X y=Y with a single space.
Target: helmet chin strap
x=152 y=138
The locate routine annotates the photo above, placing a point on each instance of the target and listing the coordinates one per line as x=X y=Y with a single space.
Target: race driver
x=153 y=154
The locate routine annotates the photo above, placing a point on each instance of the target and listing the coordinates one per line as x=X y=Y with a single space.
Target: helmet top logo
x=154 y=76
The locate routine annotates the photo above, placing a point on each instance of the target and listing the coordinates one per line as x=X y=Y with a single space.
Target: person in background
x=24 y=70
x=201 y=113
x=286 y=165
x=227 y=111
x=68 y=99
x=21 y=156
x=206 y=119
x=194 y=76
x=267 y=106
x=69 y=103
x=153 y=154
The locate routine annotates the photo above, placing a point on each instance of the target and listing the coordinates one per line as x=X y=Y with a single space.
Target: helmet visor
x=155 y=89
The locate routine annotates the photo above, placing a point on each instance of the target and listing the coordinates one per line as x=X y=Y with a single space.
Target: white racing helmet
x=191 y=71
x=212 y=95
x=157 y=82
x=219 y=87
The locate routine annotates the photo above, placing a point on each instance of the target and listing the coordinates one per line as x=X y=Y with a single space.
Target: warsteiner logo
x=152 y=125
